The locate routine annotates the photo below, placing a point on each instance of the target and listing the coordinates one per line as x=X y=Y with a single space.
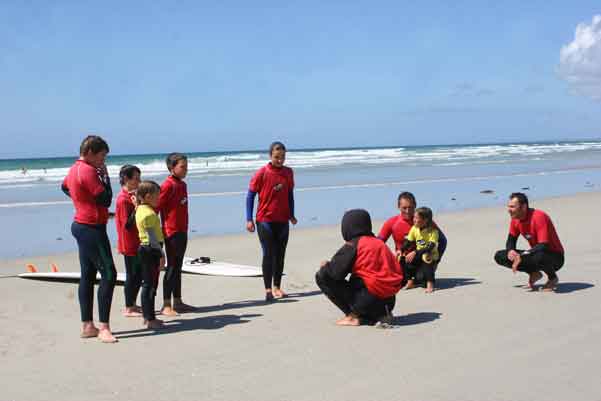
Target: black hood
x=356 y=223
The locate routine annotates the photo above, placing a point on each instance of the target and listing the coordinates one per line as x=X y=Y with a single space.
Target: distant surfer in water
x=89 y=187
x=274 y=183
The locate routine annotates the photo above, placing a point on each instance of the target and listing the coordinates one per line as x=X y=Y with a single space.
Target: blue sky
x=203 y=76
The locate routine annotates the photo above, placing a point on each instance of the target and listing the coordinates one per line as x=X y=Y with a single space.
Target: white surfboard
x=64 y=277
x=216 y=268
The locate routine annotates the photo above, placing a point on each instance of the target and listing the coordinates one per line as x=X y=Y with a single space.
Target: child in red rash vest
x=173 y=207
x=128 y=240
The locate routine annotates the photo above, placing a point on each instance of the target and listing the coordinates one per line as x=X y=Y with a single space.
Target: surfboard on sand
x=206 y=266
x=61 y=277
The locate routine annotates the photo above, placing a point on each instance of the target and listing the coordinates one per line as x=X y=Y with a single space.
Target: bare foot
x=278 y=293
x=154 y=324
x=550 y=285
x=138 y=308
x=534 y=277
x=169 y=311
x=410 y=284
x=89 y=330
x=349 y=320
x=105 y=335
x=131 y=312
x=429 y=287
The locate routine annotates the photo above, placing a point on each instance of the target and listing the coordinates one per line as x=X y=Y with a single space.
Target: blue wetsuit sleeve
x=291 y=202
x=250 y=205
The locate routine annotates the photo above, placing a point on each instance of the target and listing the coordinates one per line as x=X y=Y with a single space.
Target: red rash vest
x=173 y=206
x=377 y=267
x=537 y=228
x=273 y=186
x=84 y=185
x=128 y=240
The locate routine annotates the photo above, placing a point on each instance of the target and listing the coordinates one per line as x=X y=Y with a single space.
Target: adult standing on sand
x=399 y=226
x=546 y=252
x=89 y=187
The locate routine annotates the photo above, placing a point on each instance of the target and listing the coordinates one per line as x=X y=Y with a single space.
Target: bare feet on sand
x=534 y=277
x=349 y=320
x=429 y=287
x=410 y=284
x=278 y=293
x=154 y=324
x=89 y=330
x=131 y=311
x=105 y=335
x=551 y=285
x=169 y=311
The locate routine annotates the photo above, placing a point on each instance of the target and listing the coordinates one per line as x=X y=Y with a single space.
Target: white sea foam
x=242 y=163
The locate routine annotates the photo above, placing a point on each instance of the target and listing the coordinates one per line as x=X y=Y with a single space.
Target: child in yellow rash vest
x=420 y=249
x=150 y=251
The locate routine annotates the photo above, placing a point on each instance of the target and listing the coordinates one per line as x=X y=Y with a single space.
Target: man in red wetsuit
x=546 y=252
x=375 y=276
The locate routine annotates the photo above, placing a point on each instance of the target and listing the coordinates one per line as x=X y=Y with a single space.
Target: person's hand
x=134 y=199
x=162 y=263
x=293 y=221
x=410 y=256
x=512 y=254
x=323 y=264
x=250 y=226
x=516 y=262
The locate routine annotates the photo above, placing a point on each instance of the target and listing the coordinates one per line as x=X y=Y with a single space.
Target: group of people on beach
x=361 y=279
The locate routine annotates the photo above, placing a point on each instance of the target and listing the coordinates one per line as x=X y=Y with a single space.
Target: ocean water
x=36 y=215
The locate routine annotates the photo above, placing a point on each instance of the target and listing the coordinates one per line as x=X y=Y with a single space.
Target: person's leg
x=86 y=246
x=426 y=272
x=150 y=282
x=337 y=291
x=108 y=278
x=181 y=245
x=549 y=262
x=130 y=289
x=532 y=265
x=266 y=238
x=367 y=306
x=281 y=234
x=410 y=270
x=170 y=276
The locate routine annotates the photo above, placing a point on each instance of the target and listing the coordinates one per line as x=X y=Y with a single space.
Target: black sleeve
x=342 y=262
x=511 y=242
x=543 y=246
x=105 y=197
x=407 y=244
x=65 y=190
x=131 y=220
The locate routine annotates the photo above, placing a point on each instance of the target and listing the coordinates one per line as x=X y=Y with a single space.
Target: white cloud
x=580 y=60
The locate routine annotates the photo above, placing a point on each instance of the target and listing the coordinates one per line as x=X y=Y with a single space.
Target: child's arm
x=250 y=204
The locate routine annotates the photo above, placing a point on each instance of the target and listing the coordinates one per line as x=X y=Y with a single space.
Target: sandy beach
x=480 y=336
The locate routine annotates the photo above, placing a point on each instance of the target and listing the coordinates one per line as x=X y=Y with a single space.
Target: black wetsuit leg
x=549 y=262
x=150 y=259
x=175 y=247
x=133 y=279
x=337 y=291
x=367 y=306
x=274 y=239
x=353 y=296
x=95 y=255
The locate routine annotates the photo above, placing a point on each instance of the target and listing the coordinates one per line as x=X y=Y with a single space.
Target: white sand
x=483 y=338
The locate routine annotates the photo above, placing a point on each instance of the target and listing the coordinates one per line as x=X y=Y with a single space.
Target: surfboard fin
x=53 y=268
x=31 y=268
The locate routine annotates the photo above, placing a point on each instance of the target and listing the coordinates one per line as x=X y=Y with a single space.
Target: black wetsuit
x=274 y=239
x=538 y=258
x=175 y=248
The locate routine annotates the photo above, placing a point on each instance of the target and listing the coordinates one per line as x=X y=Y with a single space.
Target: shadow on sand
x=447 y=283
x=179 y=325
x=415 y=318
x=291 y=297
x=562 y=288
